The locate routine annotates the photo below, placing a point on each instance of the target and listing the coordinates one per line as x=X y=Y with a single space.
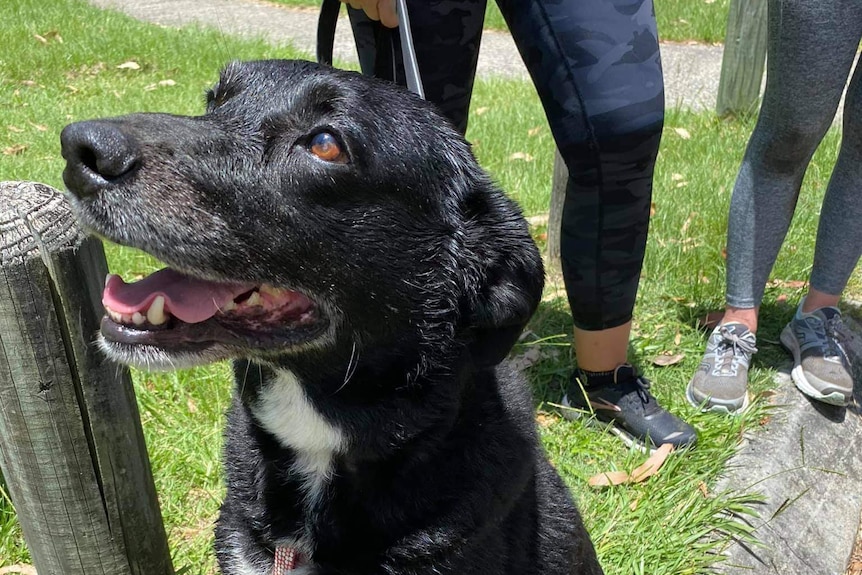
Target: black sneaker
x=634 y=414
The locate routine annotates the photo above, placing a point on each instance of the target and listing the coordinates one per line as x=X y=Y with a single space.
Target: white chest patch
x=283 y=409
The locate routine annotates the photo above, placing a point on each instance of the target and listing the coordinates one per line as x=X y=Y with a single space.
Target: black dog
x=336 y=238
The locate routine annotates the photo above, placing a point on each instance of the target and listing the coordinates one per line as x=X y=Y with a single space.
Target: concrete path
x=806 y=462
x=691 y=72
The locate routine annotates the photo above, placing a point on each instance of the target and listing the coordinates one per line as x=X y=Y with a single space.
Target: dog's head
x=309 y=210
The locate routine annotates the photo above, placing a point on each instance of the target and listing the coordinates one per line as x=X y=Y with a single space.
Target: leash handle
x=408 y=52
x=328 y=20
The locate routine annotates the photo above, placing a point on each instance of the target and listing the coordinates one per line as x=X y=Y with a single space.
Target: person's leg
x=596 y=67
x=446 y=38
x=811 y=50
x=839 y=235
x=815 y=335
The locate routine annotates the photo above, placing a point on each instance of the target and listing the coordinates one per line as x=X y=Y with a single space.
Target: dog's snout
x=97 y=154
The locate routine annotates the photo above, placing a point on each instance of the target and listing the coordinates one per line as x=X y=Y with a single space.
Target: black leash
x=385 y=61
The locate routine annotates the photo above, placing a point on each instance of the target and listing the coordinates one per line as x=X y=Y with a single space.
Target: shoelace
x=733 y=343
x=643 y=386
x=834 y=337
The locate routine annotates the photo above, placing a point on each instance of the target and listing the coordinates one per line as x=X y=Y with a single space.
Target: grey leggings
x=812 y=44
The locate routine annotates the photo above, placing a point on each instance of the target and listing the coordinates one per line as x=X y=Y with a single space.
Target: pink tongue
x=190 y=299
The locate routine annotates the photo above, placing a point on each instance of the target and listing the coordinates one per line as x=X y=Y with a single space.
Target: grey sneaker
x=721 y=381
x=821 y=369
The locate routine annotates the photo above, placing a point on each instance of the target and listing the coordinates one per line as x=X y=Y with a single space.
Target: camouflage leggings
x=596 y=67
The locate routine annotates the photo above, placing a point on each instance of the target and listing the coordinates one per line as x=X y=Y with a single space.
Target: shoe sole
x=797 y=374
x=706 y=407
x=575 y=414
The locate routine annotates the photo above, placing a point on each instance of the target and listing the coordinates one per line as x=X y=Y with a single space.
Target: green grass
x=678 y=20
x=672 y=524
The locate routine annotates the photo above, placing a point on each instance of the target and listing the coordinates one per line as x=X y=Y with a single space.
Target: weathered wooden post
x=555 y=212
x=744 y=57
x=71 y=446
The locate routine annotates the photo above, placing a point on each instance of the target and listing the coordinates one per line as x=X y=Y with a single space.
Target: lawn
x=64 y=61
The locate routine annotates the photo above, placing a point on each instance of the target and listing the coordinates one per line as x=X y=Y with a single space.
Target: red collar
x=286 y=560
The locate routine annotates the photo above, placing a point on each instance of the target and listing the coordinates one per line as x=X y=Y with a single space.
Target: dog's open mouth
x=171 y=310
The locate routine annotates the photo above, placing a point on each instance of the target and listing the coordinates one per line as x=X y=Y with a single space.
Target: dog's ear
x=507 y=278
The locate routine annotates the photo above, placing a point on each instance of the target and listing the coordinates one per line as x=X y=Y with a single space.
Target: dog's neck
x=283 y=410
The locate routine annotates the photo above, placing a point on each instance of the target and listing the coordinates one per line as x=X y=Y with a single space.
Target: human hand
x=382 y=10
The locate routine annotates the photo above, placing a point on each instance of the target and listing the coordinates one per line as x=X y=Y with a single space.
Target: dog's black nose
x=97 y=154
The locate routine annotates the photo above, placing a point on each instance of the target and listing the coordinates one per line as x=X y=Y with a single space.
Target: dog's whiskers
x=244 y=379
x=351 y=367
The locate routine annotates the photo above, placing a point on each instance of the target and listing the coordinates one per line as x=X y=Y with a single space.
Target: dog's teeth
x=229 y=306
x=156 y=313
x=116 y=316
x=138 y=319
x=127 y=318
x=270 y=290
x=253 y=299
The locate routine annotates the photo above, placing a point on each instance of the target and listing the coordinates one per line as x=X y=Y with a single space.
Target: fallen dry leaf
x=546 y=420
x=535 y=131
x=687 y=223
x=703 y=489
x=527 y=359
x=638 y=475
x=538 y=220
x=664 y=360
x=15 y=150
x=682 y=133
x=130 y=65
x=653 y=463
x=161 y=84
x=652 y=209
x=53 y=35
x=521 y=156
x=481 y=110
x=527 y=334
x=789 y=284
x=608 y=478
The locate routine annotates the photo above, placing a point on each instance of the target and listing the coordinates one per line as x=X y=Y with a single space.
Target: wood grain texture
x=72 y=450
x=744 y=58
x=555 y=212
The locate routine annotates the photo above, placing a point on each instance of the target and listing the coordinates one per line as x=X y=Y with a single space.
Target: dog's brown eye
x=326 y=147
